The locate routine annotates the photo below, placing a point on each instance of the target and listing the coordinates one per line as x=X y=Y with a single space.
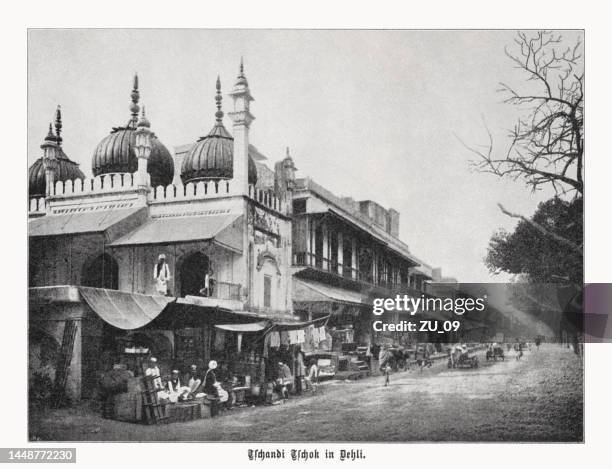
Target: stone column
x=325 y=246
x=340 y=254
x=354 y=258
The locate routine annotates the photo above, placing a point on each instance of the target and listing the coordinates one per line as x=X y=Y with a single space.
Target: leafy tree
x=537 y=255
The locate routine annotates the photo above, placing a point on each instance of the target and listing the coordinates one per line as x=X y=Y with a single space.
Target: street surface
x=539 y=398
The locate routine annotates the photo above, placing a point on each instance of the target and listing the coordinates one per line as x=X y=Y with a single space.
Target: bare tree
x=547 y=142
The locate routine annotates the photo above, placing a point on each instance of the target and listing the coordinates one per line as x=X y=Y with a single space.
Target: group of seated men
x=194 y=385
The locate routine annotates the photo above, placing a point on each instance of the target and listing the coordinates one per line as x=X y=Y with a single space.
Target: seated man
x=211 y=386
x=176 y=392
x=228 y=381
x=284 y=379
x=193 y=379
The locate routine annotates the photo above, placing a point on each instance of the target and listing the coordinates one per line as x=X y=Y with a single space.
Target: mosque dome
x=66 y=168
x=212 y=156
x=116 y=152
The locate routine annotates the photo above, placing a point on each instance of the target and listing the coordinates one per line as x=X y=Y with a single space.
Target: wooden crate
x=127 y=407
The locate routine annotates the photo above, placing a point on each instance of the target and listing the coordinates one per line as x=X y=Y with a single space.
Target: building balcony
x=346 y=274
x=225 y=291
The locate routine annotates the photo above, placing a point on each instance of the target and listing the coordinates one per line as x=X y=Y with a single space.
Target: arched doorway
x=193 y=271
x=102 y=272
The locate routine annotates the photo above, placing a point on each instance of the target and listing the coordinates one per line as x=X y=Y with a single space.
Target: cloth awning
x=82 y=221
x=252 y=327
x=124 y=310
x=280 y=325
x=225 y=229
x=311 y=291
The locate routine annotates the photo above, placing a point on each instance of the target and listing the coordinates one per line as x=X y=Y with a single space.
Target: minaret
x=242 y=118
x=143 y=148
x=50 y=148
x=58 y=125
x=134 y=108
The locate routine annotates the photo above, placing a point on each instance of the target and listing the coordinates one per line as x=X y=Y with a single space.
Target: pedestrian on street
x=383 y=359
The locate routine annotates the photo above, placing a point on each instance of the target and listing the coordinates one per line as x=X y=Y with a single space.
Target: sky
x=370 y=114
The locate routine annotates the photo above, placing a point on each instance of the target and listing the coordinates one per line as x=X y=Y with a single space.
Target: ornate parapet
x=268 y=199
x=190 y=191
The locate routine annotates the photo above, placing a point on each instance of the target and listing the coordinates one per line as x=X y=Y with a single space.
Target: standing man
x=154 y=373
x=161 y=274
x=383 y=361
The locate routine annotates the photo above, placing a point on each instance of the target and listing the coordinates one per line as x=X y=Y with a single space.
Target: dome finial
x=50 y=136
x=143 y=121
x=134 y=108
x=241 y=80
x=218 y=99
x=58 y=124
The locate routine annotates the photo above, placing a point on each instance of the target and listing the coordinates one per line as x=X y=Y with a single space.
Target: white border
x=351 y=14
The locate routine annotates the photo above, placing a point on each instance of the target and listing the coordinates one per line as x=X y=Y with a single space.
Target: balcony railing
x=225 y=291
x=332 y=266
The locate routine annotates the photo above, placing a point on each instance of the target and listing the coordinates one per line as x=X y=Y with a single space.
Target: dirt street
x=539 y=398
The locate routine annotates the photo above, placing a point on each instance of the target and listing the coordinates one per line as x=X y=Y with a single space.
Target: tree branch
x=578 y=249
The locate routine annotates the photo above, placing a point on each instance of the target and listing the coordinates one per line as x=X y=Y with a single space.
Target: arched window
x=101 y=272
x=192 y=273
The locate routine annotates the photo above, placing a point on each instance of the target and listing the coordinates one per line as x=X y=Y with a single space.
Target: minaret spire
x=218 y=99
x=58 y=124
x=134 y=108
x=50 y=136
x=242 y=119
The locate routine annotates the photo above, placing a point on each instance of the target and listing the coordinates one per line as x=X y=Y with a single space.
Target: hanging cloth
x=219 y=340
x=284 y=338
x=275 y=339
x=309 y=343
x=266 y=345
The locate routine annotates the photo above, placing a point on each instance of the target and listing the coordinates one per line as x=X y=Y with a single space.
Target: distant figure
x=284 y=380
x=311 y=380
x=538 y=341
x=161 y=274
x=209 y=284
x=384 y=359
x=519 y=350
x=299 y=371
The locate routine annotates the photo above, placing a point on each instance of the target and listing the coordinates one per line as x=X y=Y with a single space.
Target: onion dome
x=116 y=152
x=66 y=168
x=212 y=156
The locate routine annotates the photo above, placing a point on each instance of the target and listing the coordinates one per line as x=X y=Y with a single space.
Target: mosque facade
x=156 y=250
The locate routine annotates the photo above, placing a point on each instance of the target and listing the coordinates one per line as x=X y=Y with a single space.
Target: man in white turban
x=161 y=274
x=212 y=387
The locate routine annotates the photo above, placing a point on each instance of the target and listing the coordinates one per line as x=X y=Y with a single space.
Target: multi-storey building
x=241 y=243
x=95 y=244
